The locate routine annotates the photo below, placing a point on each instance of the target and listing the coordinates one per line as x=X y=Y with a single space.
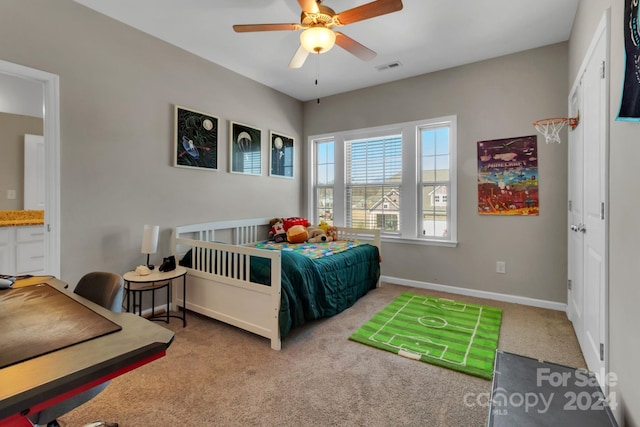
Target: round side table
x=136 y=285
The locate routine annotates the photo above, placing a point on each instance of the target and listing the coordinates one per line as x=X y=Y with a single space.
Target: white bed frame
x=226 y=295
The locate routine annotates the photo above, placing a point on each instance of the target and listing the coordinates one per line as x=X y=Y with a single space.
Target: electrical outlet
x=501 y=267
x=11 y=194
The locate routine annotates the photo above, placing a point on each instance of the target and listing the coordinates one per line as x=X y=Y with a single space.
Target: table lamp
x=150 y=242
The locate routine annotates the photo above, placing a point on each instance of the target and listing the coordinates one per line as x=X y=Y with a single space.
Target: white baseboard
x=476 y=293
x=162 y=308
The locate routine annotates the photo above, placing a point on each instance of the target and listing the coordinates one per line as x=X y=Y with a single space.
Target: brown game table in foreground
x=31 y=385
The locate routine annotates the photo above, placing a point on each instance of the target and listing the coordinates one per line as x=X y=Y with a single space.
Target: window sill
x=421 y=242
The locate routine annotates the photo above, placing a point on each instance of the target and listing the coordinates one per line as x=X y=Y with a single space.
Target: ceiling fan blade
x=353 y=47
x=369 y=10
x=309 y=6
x=246 y=28
x=298 y=59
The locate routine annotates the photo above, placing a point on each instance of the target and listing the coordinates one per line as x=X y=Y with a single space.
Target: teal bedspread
x=317 y=288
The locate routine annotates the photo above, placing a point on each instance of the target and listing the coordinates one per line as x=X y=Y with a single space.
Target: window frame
x=411 y=185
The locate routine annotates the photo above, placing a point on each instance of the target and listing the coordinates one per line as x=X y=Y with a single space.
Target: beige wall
x=624 y=205
x=498 y=98
x=117 y=90
x=12 y=130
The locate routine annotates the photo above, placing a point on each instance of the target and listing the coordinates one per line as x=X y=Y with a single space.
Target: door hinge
x=601 y=352
x=569 y=284
x=602 y=69
x=601 y=210
x=570 y=206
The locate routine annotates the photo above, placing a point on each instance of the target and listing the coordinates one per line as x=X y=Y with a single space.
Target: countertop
x=16 y=218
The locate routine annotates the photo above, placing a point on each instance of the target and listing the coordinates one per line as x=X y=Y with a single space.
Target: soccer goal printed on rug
x=448 y=333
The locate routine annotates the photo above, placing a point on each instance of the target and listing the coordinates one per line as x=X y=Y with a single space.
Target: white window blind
x=374 y=178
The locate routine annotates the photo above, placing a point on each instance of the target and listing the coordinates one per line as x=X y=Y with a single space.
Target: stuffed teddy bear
x=332 y=232
x=317 y=235
x=277 y=232
x=297 y=234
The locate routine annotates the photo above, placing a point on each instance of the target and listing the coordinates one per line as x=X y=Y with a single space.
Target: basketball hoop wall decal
x=551 y=127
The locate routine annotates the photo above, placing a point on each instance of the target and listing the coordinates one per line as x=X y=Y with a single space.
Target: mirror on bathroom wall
x=21 y=109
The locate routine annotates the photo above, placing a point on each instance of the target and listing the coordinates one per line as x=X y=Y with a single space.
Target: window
x=434 y=179
x=400 y=179
x=324 y=179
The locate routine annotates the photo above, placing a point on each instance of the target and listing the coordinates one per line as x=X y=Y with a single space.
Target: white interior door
x=595 y=256
x=34 y=172
x=588 y=263
x=576 y=216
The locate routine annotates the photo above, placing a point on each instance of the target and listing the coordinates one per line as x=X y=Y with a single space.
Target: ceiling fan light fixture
x=317 y=39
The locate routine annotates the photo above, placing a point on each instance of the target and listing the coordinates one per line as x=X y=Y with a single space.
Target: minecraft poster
x=508 y=176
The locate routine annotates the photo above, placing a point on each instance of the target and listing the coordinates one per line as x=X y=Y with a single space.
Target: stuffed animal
x=297 y=234
x=277 y=232
x=317 y=235
x=290 y=222
x=323 y=225
x=332 y=231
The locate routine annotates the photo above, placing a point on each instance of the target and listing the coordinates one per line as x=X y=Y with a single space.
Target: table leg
x=128 y=287
x=153 y=301
x=184 y=301
x=169 y=298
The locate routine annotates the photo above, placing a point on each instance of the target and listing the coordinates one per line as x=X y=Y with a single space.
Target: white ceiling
x=425 y=36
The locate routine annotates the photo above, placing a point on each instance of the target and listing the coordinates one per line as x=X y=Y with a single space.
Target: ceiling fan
x=318 y=22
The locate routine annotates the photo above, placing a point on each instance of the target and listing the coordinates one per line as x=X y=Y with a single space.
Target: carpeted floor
x=218 y=375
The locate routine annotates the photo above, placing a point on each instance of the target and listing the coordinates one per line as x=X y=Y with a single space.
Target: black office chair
x=104 y=289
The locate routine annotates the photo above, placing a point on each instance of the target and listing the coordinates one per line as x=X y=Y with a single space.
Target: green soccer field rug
x=444 y=332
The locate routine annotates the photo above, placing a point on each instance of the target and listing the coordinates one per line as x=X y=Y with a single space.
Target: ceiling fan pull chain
x=317 y=75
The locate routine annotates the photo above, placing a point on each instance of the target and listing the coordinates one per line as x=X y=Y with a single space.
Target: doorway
x=51 y=106
x=588 y=205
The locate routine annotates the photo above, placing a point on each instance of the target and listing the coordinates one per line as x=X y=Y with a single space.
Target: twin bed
x=236 y=275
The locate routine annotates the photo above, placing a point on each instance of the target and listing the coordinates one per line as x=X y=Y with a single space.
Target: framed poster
x=629 y=105
x=195 y=139
x=508 y=176
x=245 y=149
x=281 y=155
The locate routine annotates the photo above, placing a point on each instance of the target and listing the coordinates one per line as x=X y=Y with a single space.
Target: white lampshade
x=317 y=39
x=150 y=239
